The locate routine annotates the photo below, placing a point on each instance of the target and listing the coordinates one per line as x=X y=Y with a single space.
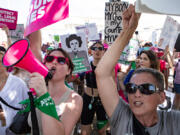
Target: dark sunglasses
x=146 y=88
x=2 y=49
x=97 y=48
x=60 y=60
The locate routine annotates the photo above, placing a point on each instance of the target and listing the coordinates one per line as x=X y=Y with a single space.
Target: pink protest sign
x=9 y=18
x=45 y=12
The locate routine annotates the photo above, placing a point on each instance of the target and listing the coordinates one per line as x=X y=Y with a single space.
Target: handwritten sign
x=113 y=20
x=45 y=12
x=9 y=18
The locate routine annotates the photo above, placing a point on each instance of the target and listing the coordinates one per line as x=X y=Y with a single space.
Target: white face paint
x=74 y=45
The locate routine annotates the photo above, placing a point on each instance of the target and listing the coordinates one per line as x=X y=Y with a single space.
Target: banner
x=169 y=33
x=45 y=12
x=75 y=45
x=9 y=18
x=113 y=20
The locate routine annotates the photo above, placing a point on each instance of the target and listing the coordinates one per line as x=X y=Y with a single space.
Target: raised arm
x=106 y=85
x=50 y=125
x=35 y=40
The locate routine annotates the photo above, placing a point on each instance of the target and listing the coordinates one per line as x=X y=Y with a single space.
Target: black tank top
x=91 y=78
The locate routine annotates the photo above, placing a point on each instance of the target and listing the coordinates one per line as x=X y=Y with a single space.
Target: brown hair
x=153 y=59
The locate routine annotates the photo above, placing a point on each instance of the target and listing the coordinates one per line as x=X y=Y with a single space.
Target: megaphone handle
x=33 y=91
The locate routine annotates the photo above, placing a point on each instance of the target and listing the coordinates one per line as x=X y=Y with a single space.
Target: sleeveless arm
x=106 y=85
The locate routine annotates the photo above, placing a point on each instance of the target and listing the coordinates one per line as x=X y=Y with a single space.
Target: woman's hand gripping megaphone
x=37 y=84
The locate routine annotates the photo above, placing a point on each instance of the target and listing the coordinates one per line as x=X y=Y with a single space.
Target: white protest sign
x=113 y=20
x=75 y=45
x=168 y=7
x=90 y=30
x=169 y=33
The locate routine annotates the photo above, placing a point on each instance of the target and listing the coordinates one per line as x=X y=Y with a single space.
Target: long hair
x=154 y=62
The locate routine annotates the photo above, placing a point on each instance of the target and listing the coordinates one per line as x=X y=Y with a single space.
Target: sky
x=90 y=9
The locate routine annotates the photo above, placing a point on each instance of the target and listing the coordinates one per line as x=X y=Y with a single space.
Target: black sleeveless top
x=91 y=78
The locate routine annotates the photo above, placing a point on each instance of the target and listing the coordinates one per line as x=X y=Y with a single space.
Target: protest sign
x=75 y=45
x=9 y=18
x=90 y=30
x=45 y=12
x=17 y=33
x=169 y=33
x=170 y=7
x=113 y=20
x=57 y=38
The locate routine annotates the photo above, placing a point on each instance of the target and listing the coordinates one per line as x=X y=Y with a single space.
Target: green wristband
x=46 y=105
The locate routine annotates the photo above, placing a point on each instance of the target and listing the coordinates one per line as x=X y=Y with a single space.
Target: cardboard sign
x=9 y=18
x=113 y=20
x=45 y=12
x=75 y=45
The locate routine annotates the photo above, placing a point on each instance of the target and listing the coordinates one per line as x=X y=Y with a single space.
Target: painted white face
x=74 y=45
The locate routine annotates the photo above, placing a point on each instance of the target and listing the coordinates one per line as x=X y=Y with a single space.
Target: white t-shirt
x=14 y=91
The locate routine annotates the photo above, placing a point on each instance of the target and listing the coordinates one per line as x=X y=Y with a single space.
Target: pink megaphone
x=20 y=55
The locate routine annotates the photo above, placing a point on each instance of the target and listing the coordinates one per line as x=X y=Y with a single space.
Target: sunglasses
x=146 y=88
x=2 y=49
x=97 y=48
x=60 y=60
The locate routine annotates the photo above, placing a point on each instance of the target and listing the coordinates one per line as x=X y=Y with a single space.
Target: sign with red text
x=9 y=18
x=45 y=12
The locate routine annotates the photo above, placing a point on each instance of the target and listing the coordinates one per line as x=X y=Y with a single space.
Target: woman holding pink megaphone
x=68 y=103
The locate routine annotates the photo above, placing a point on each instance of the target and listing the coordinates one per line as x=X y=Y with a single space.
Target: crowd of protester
x=124 y=101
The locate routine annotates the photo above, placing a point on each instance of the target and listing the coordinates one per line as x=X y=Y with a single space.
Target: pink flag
x=44 y=13
x=9 y=18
